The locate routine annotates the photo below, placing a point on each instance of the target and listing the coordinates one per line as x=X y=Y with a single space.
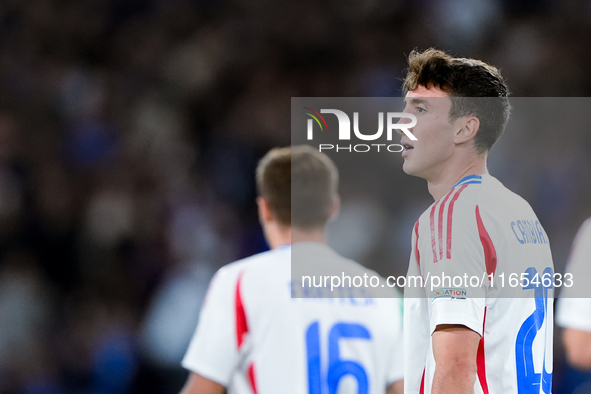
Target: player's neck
x=276 y=234
x=315 y=235
x=441 y=184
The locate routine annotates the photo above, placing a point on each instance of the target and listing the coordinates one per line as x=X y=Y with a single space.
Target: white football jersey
x=255 y=336
x=573 y=311
x=482 y=254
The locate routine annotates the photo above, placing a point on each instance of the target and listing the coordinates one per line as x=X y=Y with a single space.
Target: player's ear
x=469 y=126
x=265 y=212
x=335 y=208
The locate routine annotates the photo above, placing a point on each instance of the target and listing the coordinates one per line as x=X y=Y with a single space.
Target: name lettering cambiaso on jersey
x=482 y=254
x=255 y=336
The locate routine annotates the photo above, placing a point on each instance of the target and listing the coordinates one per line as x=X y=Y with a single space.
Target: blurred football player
x=262 y=331
x=574 y=306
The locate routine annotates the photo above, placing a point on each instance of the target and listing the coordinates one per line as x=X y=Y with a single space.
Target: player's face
x=426 y=157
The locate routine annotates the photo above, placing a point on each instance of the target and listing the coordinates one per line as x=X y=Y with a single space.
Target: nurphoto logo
x=344 y=130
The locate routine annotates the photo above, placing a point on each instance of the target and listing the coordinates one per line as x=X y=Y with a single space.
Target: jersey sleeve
x=574 y=313
x=213 y=350
x=574 y=306
x=457 y=284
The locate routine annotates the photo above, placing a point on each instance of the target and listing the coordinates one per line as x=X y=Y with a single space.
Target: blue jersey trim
x=471 y=178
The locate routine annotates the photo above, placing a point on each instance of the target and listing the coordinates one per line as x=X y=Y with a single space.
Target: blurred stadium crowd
x=129 y=134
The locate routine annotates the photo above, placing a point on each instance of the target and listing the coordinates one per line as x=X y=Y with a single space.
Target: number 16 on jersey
x=328 y=382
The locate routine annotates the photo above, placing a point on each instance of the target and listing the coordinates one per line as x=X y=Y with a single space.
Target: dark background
x=129 y=134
